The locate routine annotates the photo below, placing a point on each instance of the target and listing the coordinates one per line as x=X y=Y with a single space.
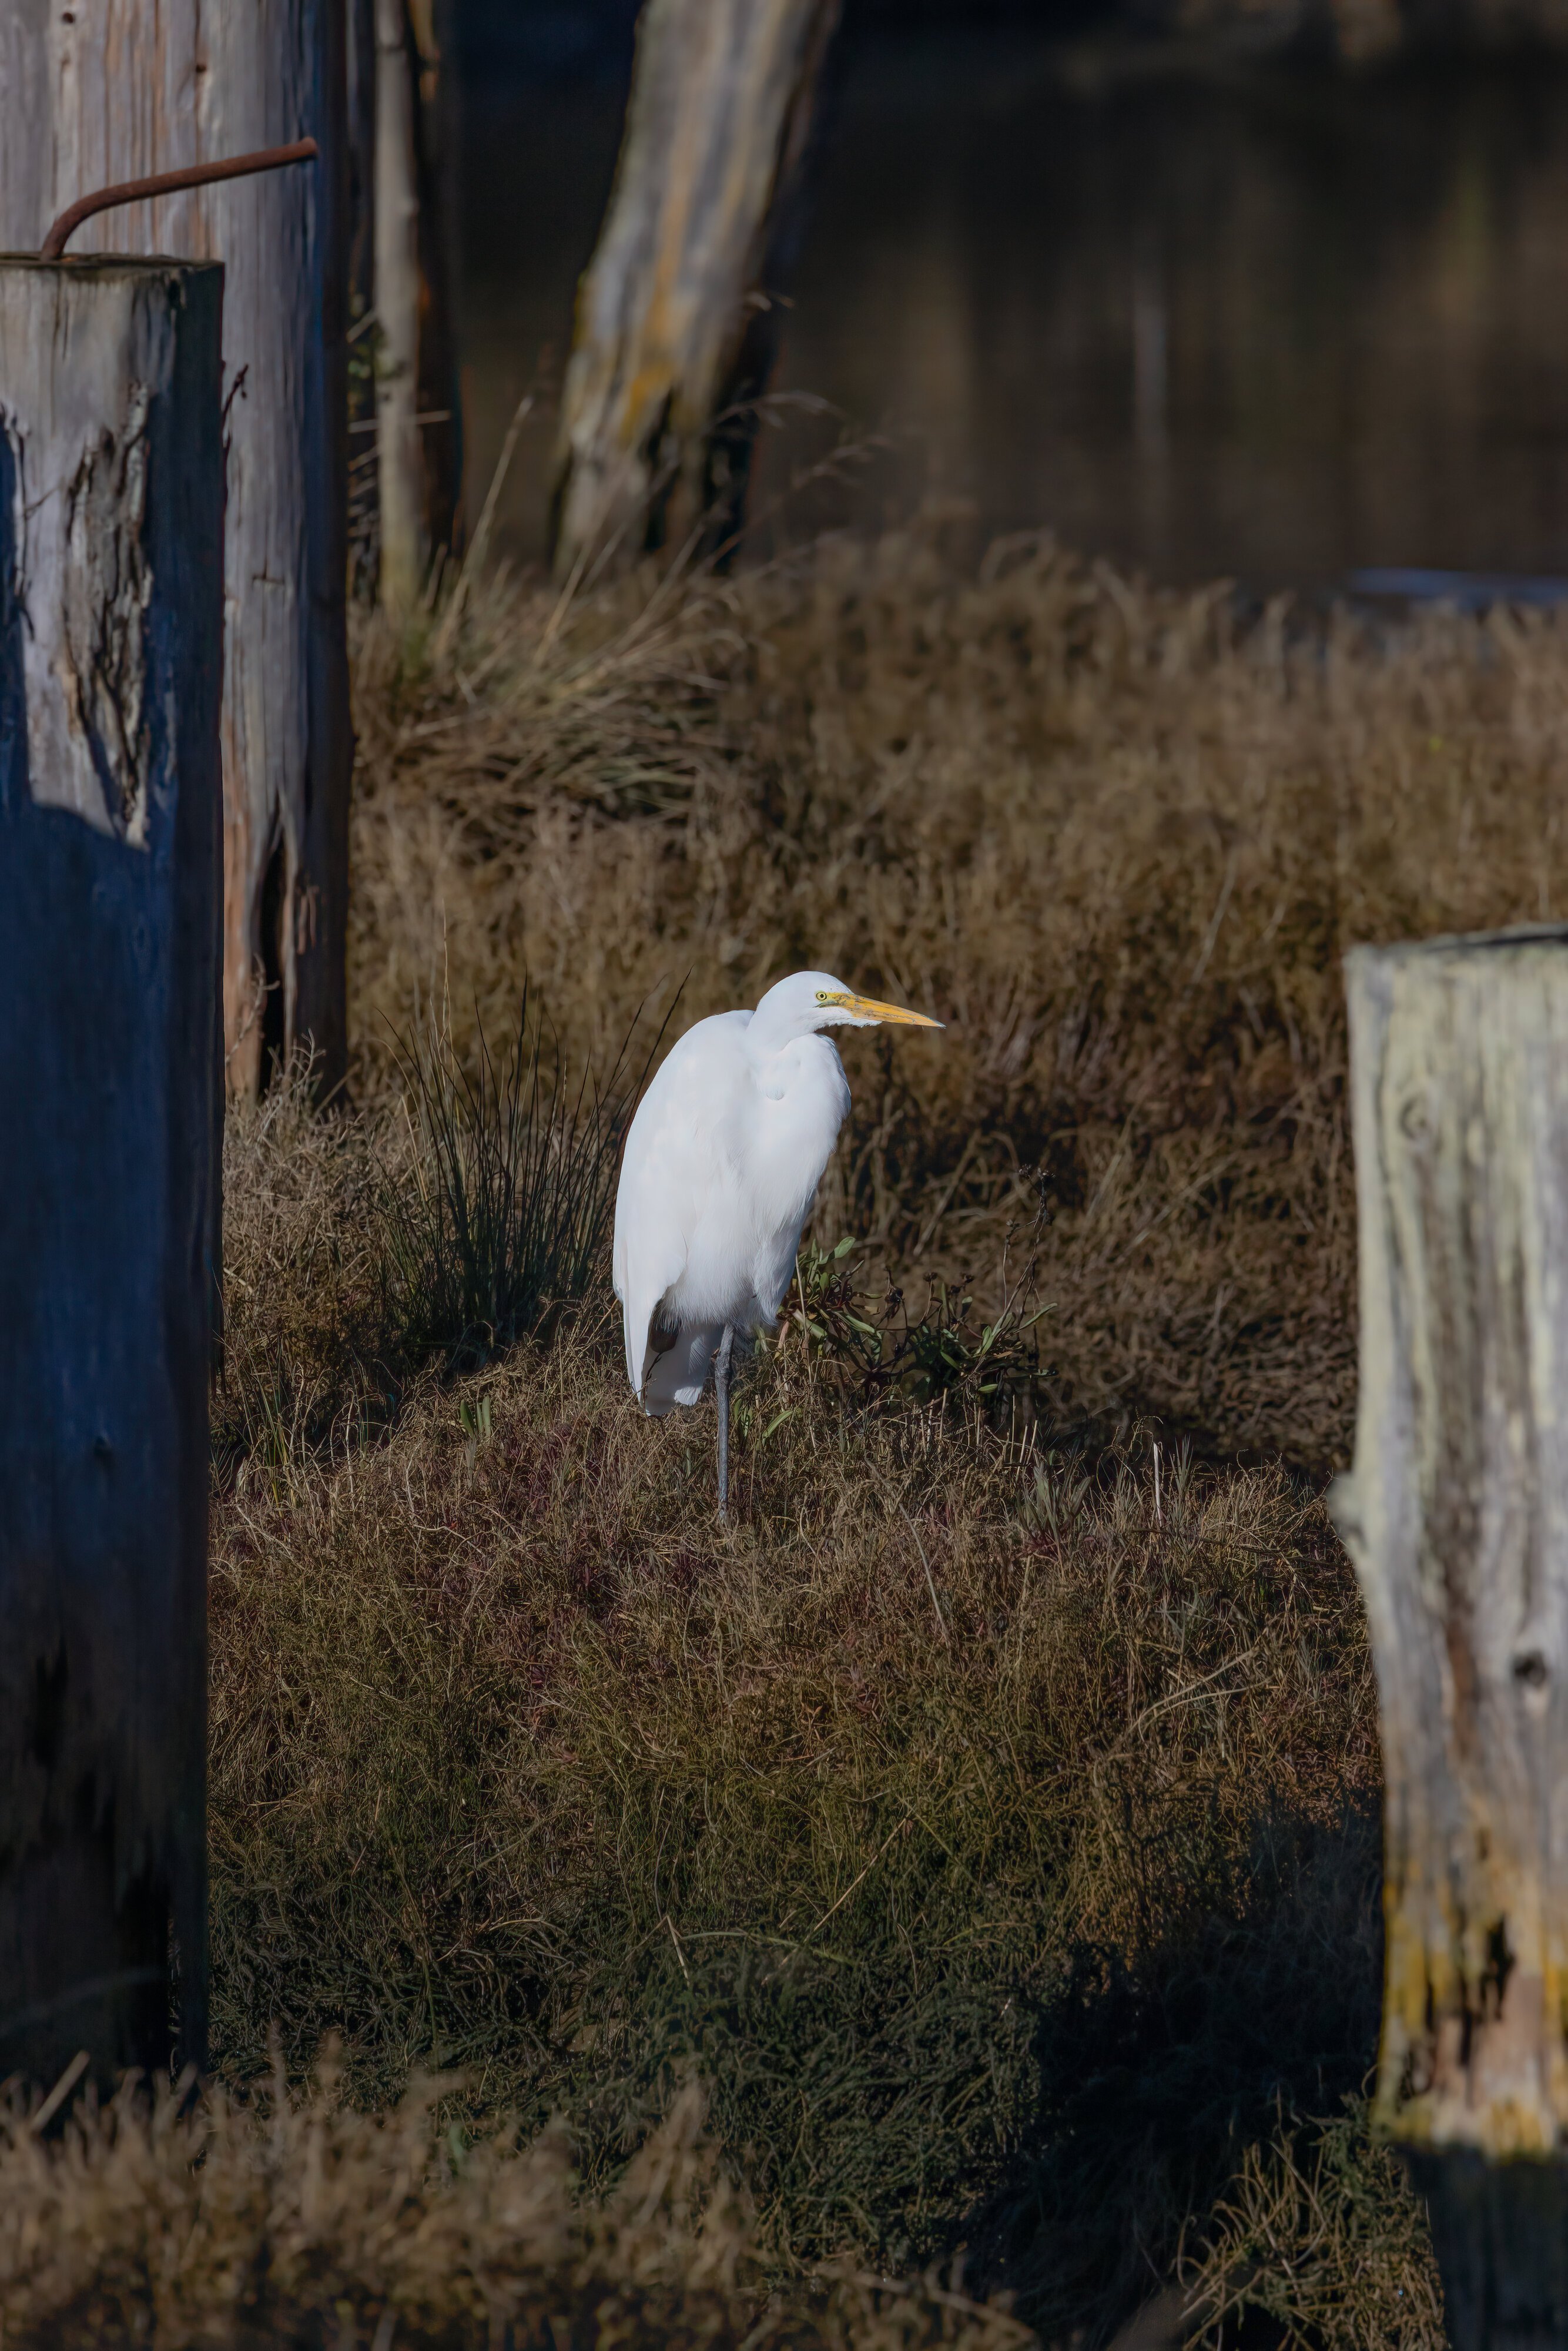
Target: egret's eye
x=822 y=996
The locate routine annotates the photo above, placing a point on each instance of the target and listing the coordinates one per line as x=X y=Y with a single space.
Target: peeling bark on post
x=107 y=91
x=677 y=318
x=1457 y=1517
x=112 y=499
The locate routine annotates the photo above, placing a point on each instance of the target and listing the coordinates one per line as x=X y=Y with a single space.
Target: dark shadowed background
x=1206 y=308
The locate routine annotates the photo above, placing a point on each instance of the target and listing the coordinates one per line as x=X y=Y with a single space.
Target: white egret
x=721 y=1166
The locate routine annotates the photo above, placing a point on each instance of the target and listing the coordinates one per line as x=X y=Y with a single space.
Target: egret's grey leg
x=721 y=1389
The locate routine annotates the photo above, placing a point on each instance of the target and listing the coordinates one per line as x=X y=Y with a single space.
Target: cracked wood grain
x=1456 y=1514
x=75 y=417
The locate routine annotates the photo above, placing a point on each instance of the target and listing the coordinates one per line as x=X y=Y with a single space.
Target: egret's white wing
x=673 y=1162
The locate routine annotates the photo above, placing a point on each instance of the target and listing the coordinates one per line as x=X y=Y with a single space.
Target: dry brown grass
x=1117 y=839
x=1324 y=2237
x=302 y=1360
x=290 y=2219
x=995 y=1839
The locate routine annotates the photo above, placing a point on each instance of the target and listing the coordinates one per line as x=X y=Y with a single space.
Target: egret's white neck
x=773 y=1025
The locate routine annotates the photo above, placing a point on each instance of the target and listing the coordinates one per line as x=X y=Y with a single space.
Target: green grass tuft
x=1323 y=2239
x=500 y=1211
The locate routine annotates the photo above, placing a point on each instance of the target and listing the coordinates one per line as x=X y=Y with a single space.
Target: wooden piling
x=90 y=95
x=1456 y=1514
x=678 y=315
x=399 y=456
x=112 y=501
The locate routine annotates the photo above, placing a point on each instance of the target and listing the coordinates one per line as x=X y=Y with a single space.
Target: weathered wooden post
x=108 y=91
x=1457 y=1517
x=417 y=434
x=677 y=320
x=112 y=501
x=399 y=457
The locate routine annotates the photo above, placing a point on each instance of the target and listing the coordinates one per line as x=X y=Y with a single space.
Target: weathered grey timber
x=399 y=459
x=420 y=445
x=106 y=91
x=678 y=317
x=1456 y=1515
x=437 y=138
x=111 y=492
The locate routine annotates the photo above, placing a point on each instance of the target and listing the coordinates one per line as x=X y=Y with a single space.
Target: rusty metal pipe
x=166 y=183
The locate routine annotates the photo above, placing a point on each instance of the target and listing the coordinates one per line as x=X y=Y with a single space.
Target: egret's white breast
x=802 y=1099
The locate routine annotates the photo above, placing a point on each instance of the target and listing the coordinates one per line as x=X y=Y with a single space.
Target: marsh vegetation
x=967 y=1864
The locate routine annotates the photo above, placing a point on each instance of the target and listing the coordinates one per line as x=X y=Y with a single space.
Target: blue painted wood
x=111 y=1106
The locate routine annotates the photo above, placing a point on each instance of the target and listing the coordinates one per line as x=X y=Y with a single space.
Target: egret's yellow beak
x=866 y=1007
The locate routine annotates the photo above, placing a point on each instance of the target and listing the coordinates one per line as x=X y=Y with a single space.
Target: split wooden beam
x=112 y=506
x=1456 y=1515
